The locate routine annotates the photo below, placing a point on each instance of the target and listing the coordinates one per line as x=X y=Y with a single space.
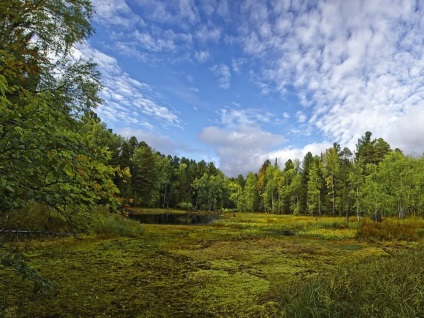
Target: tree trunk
x=334 y=196
x=164 y=197
x=348 y=209
x=319 y=204
x=357 y=203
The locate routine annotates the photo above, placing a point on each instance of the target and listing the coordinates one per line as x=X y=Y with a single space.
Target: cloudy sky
x=237 y=82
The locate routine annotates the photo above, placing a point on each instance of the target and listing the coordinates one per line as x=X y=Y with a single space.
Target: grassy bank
x=242 y=265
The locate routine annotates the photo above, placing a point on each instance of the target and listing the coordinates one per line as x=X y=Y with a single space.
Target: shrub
x=335 y=225
x=389 y=229
x=118 y=225
x=185 y=206
x=32 y=221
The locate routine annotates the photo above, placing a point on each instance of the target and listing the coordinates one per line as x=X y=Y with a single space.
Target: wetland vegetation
x=68 y=183
x=241 y=265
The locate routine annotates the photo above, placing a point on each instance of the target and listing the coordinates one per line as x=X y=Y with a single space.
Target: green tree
x=402 y=178
x=331 y=166
x=290 y=188
x=374 y=194
x=48 y=149
x=262 y=182
x=144 y=176
x=165 y=171
x=356 y=180
x=305 y=171
x=371 y=151
x=344 y=186
x=46 y=154
x=251 y=195
x=315 y=185
x=209 y=191
x=236 y=195
x=269 y=192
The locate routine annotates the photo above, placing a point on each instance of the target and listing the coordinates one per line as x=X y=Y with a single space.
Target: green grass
x=242 y=266
x=113 y=225
x=389 y=287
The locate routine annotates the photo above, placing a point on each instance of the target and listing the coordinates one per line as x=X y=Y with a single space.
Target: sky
x=237 y=82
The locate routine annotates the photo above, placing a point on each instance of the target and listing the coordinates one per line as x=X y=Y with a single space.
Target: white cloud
x=188 y=10
x=408 y=130
x=208 y=33
x=117 y=13
x=158 y=142
x=284 y=154
x=181 y=12
x=360 y=64
x=201 y=56
x=127 y=100
x=151 y=43
x=222 y=72
x=240 y=150
x=301 y=117
x=222 y=9
x=354 y=66
x=239 y=117
x=240 y=142
x=236 y=64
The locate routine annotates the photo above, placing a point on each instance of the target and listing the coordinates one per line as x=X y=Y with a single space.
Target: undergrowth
x=241 y=265
x=34 y=217
x=118 y=225
x=386 y=287
x=391 y=229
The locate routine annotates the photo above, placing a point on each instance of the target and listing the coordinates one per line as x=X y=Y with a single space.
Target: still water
x=175 y=219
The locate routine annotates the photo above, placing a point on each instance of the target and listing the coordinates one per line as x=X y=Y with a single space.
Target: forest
x=68 y=182
x=373 y=180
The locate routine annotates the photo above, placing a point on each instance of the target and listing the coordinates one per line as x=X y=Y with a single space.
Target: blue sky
x=239 y=82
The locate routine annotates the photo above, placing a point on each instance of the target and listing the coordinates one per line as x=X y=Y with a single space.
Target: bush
x=118 y=225
x=389 y=229
x=188 y=206
x=335 y=225
x=33 y=221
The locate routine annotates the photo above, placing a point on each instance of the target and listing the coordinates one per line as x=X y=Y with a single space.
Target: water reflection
x=175 y=219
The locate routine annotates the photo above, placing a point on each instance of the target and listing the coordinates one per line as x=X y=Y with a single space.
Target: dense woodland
x=372 y=180
x=55 y=151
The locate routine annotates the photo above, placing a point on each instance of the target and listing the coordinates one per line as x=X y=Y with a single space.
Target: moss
x=233 y=267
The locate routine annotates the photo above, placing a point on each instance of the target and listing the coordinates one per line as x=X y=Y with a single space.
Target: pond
x=175 y=219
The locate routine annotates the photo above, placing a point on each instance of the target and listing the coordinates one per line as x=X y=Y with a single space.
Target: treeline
x=374 y=180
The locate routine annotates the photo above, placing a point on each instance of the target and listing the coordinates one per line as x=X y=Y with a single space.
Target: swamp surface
x=236 y=266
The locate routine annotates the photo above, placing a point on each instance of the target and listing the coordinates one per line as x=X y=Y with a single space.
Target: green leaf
x=10 y=189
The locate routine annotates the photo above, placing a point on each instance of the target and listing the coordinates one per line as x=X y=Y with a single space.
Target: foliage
x=16 y=261
x=390 y=229
x=47 y=150
x=185 y=206
x=374 y=181
x=116 y=225
x=50 y=154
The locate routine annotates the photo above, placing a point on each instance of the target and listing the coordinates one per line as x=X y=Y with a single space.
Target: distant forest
x=372 y=180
